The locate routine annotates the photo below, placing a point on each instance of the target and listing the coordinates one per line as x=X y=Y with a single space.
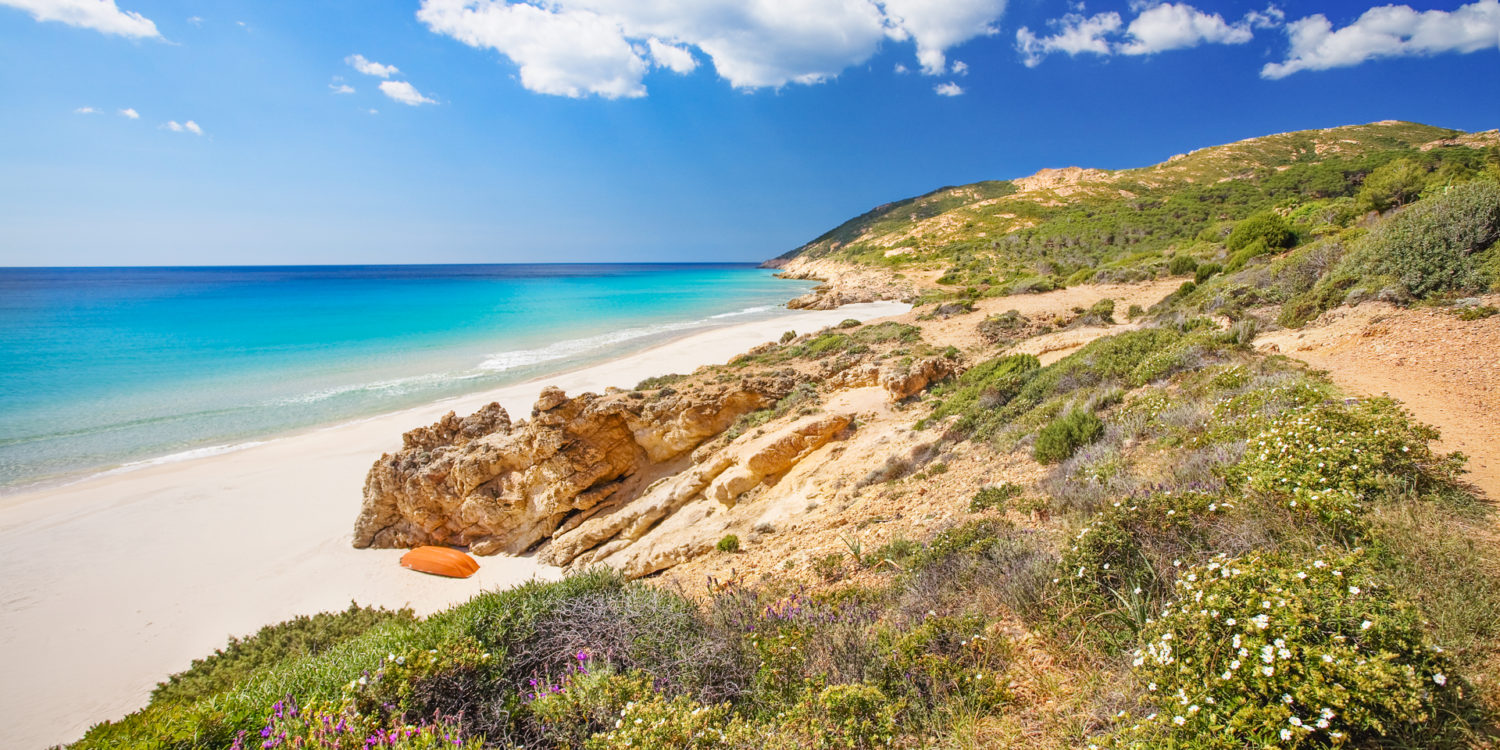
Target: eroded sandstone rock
x=501 y=487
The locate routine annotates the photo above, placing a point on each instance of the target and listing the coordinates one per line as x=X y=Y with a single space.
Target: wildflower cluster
x=318 y=727
x=1265 y=651
x=1323 y=462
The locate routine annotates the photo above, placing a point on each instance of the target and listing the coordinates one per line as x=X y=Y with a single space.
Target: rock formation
x=501 y=487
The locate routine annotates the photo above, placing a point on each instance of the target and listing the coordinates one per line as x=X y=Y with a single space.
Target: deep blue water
x=106 y=366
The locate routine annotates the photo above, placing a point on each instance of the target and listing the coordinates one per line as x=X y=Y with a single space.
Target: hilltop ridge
x=1019 y=233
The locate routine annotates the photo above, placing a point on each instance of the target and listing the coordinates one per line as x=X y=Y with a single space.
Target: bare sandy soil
x=1446 y=370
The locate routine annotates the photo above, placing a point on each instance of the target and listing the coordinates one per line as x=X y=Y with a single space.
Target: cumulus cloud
x=85 y=111
x=183 y=127
x=1076 y=34
x=99 y=15
x=1172 y=26
x=1387 y=31
x=673 y=58
x=1157 y=27
x=949 y=89
x=936 y=27
x=370 y=67
x=130 y=113
x=605 y=48
x=404 y=92
x=341 y=88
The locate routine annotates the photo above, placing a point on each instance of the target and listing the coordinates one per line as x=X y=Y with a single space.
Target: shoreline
x=99 y=604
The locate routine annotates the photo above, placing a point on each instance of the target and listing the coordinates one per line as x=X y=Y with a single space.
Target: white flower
x=1354 y=590
x=1286 y=734
x=1268 y=670
x=1294 y=721
x=1365 y=625
x=1440 y=678
x=1178 y=720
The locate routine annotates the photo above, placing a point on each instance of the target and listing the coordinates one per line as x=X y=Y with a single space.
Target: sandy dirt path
x=1446 y=371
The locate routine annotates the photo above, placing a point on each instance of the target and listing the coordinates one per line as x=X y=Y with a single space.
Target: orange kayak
x=440 y=561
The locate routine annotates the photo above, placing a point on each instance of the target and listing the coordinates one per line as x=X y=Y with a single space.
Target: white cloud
x=130 y=113
x=1076 y=35
x=85 y=111
x=341 y=88
x=949 y=89
x=1387 y=31
x=404 y=92
x=374 y=111
x=937 y=27
x=99 y=15
x=183 y=127
x=1179 y=26
x=901 y=69
x=606 y=47
x=673 y=58
x=1157 y=27
x=370 y=67
x=195 y=20
x=960 y=68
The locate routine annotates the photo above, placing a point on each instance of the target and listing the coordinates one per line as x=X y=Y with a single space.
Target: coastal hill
x=1084 y=493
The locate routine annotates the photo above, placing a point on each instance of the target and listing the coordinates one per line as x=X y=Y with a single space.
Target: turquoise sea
x=109 y=367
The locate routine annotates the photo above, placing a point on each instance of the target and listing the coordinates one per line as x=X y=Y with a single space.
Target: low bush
x=1067 y=434
x=298 y=637
x=1182 y=265
x=994 y=498
x=730 y=543
x=1206 y=271
x=1287 y=652
x=1267 y=228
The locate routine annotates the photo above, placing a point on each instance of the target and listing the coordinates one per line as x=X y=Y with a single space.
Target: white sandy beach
x=112 y=583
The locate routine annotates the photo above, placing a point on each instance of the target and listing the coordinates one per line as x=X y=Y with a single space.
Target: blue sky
x=650 y=130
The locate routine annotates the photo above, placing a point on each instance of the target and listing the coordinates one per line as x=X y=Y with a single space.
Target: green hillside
x=1075 y=225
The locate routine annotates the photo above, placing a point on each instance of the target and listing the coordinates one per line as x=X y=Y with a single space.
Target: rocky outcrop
x=843 y=284
x=714 y=485
x=495 y=486
x=899 y=380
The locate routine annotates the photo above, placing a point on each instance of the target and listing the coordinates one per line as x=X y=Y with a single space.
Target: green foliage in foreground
x=302 y=636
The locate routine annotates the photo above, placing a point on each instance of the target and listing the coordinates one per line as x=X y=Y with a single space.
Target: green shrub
x=848 y=323
x=983 y=388
x=995 y=497
x=898 y=551
x=1067 y=434
x=730 y=543
x=1392 y=185
x=1288 y=652
x=843 y=717
x=298 y=637
x=1135 y=312
x=1266 y=227
x=1005 y=328
x=1100 y=313
x=1476 y=312
x=1205 y=272
x=1324 y=462
x=787 y=336
x=1181 y=265
x=1434 y=245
